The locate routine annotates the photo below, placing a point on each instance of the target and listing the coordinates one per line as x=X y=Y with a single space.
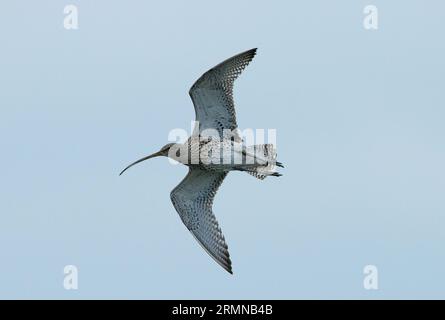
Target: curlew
x=214 y=149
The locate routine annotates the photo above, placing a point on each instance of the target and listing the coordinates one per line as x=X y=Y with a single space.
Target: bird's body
x=222 y=155
x=211 y=152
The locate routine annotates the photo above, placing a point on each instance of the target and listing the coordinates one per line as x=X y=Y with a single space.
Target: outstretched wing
x=193 y=199
x=212 y=94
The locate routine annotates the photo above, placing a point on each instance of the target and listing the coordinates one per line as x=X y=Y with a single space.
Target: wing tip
x=254 y=50
x=251 y=53
x=247 y=56
x=227 y=265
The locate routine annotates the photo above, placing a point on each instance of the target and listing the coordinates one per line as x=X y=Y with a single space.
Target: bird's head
x=163 y=152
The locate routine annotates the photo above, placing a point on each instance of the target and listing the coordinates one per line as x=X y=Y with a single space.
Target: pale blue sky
x=360 y=127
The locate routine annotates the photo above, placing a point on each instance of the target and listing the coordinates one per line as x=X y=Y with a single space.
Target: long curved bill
x=157 y=154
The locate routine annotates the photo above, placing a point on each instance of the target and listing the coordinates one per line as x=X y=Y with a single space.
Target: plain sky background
x=360 y=127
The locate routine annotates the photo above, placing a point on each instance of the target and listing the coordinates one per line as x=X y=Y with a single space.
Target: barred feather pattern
x=193 y=200
x=267 y=152
x=212 y=93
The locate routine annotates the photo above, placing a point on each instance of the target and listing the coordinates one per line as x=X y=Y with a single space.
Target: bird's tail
x=269 y=154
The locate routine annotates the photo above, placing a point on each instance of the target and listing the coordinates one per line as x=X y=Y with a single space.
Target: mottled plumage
x=212 y=93
x=193 y=200
x=210 y=155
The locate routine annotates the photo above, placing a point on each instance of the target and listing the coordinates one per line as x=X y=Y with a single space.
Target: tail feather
x=267 y=153
x=257 y=175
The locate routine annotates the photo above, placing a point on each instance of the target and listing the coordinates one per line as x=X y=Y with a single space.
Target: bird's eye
x=178 y=153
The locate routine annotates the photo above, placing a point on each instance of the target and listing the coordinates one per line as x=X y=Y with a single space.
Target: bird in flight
x=214 y=149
